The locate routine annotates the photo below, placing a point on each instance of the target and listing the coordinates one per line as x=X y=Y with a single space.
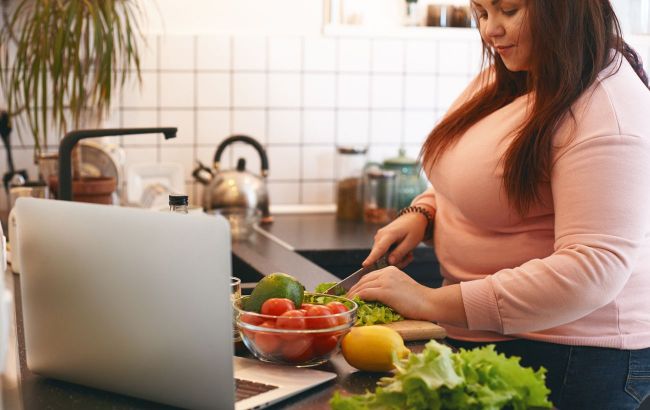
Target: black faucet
x=70 y=140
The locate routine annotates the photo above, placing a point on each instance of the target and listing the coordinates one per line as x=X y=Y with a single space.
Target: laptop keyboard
x=246 y=388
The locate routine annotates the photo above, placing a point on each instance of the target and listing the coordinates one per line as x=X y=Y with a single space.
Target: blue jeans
x=583 y=377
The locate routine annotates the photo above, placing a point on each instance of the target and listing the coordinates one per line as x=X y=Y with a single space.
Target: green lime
x=275 y=285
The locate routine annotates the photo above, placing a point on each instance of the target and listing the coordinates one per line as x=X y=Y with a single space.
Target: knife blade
x=351 y=280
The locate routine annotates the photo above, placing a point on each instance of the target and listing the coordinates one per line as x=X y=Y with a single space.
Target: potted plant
x=61 y=62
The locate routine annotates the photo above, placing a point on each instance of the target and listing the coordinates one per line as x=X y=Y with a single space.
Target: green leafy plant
x=61 y=60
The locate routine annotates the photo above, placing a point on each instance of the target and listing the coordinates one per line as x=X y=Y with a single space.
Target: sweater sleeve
x=600 y=197
x=426 y=199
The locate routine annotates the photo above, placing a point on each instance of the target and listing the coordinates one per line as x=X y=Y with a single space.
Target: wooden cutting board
x=417 y=330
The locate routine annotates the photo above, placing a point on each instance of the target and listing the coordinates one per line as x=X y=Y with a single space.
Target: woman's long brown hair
x=571 y=42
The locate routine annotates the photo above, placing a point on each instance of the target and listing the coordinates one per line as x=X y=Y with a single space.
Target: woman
x=540 y=205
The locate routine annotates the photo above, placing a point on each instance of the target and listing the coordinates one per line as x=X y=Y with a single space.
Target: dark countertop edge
x=267 y=256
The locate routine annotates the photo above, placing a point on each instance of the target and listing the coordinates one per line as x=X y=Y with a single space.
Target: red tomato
x=250 y=319
x=277 y=306
x=298 y=350
x=291 y=319
x=267 y=342
x=323 y=344
x=336 y=308
x=320 y=322
x=306 y=306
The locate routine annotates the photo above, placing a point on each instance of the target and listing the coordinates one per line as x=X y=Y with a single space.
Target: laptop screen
x=128 y=300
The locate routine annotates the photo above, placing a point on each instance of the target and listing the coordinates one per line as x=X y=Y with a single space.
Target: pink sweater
x=576 y=269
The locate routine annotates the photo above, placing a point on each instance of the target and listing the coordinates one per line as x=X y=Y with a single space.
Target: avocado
x=275 y=285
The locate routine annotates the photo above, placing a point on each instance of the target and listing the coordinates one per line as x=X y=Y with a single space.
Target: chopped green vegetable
x=374 y=313
x=368 y=313
x=324 y=287
x=473 y=379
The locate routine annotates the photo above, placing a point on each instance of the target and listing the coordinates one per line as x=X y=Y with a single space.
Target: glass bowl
x=295 y=341
x=242 y=220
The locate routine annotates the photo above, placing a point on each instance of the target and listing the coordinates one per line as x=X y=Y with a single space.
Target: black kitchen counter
x=318 y=248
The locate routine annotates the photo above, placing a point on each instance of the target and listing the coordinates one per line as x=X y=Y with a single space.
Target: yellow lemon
x=371 y=348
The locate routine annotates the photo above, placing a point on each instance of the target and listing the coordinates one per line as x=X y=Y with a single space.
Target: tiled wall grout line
x=301 y=125
x=195 y=118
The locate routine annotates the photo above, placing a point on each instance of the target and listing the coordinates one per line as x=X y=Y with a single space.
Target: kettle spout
x=202 y=173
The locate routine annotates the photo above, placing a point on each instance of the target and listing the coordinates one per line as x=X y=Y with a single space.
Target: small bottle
x=178 y=203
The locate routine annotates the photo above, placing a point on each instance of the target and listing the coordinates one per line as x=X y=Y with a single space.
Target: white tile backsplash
x=353 y=91
x=177 y=52
x=317 y=193
x=284 y=90
x=421 y=56
x=213 y=53
x=386 y=126
x=318 y=126
x=249 y=89
x=139 y=119
x=387 y=56
x=149 y=53
x=387 y=91
x=213 y=90
x=284 y=127
x=319 y=90
x=421 y=91
x=249 y=53
x=352 y=127
x=318 y=162
x=454 y=57
x=143 y=95
x=284 y=163
x=251 y=123
x=285 y=53
x=298 y=96
x=283 y=193
x=212 y=126
x=417 y=125
x=354 y=55
x=320 y=54
x=176 y=89
x=184 y=121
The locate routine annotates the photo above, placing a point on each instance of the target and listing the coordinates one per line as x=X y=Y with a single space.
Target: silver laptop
x=138 y=302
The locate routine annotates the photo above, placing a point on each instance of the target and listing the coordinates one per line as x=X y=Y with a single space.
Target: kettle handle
x=248 y=140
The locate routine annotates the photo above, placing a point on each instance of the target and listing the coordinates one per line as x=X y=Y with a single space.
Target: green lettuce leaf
x=437 y=378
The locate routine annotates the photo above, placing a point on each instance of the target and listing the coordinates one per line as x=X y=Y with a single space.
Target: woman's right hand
x=403 y=234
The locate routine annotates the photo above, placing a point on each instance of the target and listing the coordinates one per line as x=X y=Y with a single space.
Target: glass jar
x=178 y=203
x=379 y=200
x=410 y=182
x=349 y=170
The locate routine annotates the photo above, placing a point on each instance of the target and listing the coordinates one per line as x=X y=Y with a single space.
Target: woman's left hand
x=396 y=289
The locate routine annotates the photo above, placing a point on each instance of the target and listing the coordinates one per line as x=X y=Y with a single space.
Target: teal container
x=410 y=182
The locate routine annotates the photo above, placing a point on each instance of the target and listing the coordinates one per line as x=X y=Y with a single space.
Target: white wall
x=295 y=17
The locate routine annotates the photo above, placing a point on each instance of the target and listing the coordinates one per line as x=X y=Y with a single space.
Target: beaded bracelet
x=428 y=232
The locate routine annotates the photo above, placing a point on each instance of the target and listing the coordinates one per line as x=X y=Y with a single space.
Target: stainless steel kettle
x=236 y=188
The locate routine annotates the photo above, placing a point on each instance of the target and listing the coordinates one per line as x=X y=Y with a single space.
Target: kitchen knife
x=347 y=283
